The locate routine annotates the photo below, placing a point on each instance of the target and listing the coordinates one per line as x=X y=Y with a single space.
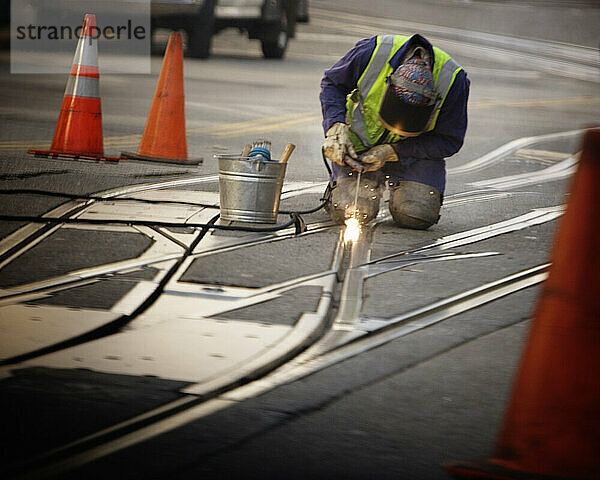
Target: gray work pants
x=412 y=204
x=415 y=205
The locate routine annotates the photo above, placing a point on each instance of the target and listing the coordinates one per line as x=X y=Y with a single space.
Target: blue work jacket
x=422 y=158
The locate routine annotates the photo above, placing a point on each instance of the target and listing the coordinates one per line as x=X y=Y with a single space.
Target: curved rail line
x=323 y=351
x=192 y=407
x=30 y=235
x=321 y=354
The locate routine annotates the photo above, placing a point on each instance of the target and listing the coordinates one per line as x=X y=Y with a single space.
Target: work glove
x=377 y=156
x=338 y=145
x=355 y=165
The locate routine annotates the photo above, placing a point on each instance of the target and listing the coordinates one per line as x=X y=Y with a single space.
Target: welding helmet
x=410 y=99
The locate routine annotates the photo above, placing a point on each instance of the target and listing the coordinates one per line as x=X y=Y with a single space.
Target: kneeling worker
x=394 y=107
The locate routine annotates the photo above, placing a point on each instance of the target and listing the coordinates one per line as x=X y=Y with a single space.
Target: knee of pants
x=343 y=196
x=415 y=205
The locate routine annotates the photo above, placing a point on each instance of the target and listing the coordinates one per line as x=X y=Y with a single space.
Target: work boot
x=415 y=205
x=342 y=195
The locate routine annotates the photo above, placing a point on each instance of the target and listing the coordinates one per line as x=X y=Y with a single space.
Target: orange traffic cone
x=78 y=132
x=552 y=426
x=164 y=136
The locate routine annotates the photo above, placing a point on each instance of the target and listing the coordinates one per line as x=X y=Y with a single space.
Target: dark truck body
x=273 y=22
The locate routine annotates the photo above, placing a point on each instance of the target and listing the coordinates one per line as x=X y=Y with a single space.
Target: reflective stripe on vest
x=379 y=59
x=445 y=70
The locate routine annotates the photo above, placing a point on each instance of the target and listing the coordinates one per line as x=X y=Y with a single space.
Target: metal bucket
x=250 y=189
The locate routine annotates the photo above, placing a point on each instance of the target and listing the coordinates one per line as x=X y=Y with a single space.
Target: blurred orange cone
x=78 y=132
x=164 y=136
x=552 y=426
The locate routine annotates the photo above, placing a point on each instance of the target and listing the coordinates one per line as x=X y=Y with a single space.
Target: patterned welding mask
x=410 y=98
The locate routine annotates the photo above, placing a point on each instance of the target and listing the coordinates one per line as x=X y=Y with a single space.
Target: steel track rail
x=317 y=357
x=322 y=353
x=391 y=329
x=115 y=325
x=351 y=297
x=86 y=275
x=15 y=244
x=18 y=239
x=190 y=408
x=14 y=294
x=26 y=237
x=74 y=454
x=30 y=235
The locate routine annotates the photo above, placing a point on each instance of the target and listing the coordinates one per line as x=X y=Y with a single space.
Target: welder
x=394 y=108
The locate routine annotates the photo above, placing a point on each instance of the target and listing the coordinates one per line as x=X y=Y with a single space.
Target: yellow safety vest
x=362 y=104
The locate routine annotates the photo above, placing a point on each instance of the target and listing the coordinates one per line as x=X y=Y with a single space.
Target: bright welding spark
x=352 y=230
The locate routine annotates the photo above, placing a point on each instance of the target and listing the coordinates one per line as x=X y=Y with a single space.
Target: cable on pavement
x=295 y=220
x=72 y=196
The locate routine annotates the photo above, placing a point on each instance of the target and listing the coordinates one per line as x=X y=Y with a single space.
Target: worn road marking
x=257 y=125
x=534 y=102
x=555 y=172
x=542 y=156
x=509 y=148
x=282 y=122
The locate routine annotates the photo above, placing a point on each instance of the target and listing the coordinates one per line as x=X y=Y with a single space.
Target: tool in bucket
x=250 y=184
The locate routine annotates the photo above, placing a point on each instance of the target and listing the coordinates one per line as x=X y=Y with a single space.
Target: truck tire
x=302 y=12
x=199 y=41
x=200 y=32
x=276 y=39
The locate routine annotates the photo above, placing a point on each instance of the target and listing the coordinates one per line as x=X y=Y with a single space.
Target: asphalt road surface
x=158 y=347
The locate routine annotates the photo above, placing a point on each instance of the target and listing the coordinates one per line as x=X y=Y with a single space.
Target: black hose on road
x=295 y=215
